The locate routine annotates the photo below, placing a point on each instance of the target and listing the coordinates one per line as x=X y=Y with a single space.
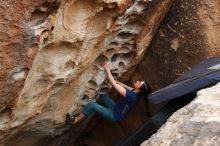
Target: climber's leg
x=106 y=101
x=95 y=107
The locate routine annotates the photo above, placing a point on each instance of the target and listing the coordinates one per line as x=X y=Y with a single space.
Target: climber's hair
x=145 y=90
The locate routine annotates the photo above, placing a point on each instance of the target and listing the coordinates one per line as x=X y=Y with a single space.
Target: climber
x=110 y=110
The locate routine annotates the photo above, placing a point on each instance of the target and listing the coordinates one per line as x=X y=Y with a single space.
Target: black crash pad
x=202 y=75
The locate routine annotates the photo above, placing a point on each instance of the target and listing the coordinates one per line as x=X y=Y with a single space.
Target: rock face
x=52 y=53
x=182 y=40
x=196 y=124
x=188 y=34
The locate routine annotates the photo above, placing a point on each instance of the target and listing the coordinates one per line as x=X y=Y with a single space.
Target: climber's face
x=138 y=84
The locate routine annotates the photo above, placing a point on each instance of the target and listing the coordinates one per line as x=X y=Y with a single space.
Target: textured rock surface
x=188 y=34
x=180 y=42
x=196 y=124
x=52 y=53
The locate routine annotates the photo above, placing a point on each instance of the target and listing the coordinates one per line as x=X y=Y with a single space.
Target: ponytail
x=145 y=90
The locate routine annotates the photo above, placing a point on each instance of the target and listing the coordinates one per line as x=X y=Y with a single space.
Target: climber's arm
x=125 y=86
x=117 y=86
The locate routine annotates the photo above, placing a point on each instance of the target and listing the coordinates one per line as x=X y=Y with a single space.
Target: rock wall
x=52 y=53
x=181 y=41
x=196 y=124
x=188 y=34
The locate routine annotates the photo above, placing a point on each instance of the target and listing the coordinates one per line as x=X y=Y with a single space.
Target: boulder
x=196 y=124
x=52 y=53
x=188 y=34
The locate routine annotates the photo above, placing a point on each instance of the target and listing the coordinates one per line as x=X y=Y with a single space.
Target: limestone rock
x=196 y=124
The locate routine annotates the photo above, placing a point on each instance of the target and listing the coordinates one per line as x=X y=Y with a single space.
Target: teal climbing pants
x=105 y=108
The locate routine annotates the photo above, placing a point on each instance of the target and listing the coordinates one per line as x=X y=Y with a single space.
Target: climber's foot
x=70 y=119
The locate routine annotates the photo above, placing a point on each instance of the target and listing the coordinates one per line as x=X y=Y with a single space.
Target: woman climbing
x=110 y=110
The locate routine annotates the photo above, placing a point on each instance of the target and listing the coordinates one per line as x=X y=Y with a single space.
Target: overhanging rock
x=52 y=56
